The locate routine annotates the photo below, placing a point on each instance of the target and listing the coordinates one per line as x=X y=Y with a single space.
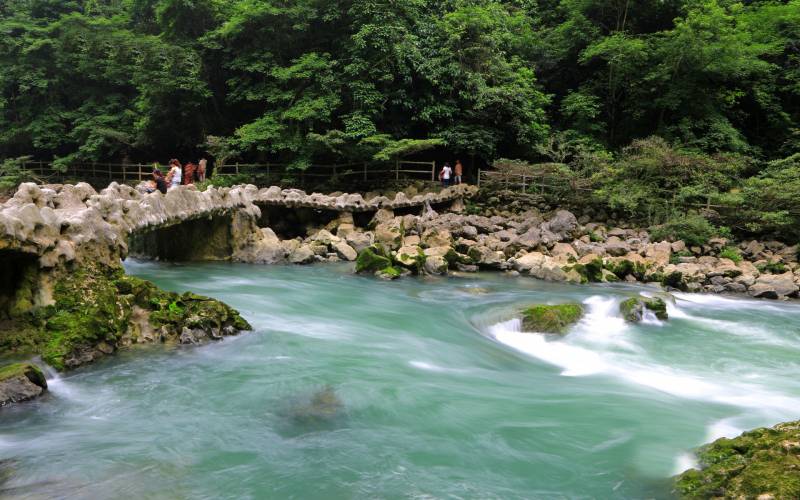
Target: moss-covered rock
x=21 y=382
x=633 y=309
x=371 y=259
x=389 y=273
x=763 y=463
x=544 y=318
x=658 y=306
x=97 y=309
x=624 y=267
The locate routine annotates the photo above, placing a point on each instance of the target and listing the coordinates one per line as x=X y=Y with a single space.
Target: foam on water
x=601 y=344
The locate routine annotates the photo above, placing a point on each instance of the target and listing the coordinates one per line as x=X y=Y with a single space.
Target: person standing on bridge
x=175 y=174
x=459 y=171
x=188 y=173
x=445 y=175
x=201 y=170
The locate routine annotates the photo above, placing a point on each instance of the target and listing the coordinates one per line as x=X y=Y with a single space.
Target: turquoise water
x=439 y=394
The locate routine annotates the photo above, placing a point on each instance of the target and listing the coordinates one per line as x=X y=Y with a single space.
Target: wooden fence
x=400 y=169
x=264 y=172
x=533 y=183
x=120 y=172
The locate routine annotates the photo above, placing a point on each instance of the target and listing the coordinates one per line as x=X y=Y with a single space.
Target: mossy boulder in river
x=21 y=382
x=633 y=309
x=544 y=318
x=759 y=464
x=375 y=260
x=371 y=259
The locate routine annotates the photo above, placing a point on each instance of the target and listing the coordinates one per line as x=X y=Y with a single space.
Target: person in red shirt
x=458 y=171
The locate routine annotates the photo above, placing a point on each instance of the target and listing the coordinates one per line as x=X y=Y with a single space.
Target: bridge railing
x=535 y=183
x=364 y=171
x=278 y=173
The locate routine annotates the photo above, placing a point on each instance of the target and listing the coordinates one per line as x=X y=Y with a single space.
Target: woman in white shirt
x=445 y=175
x=175 y=174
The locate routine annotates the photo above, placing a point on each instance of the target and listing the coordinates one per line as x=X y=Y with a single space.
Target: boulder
x=304 y=254
x=563 y=224
x=563 y=251
x=760 y=464
x=382 y=216
x=389 y=235
x=617 y=247
x=436 y=265
x=437 y=238
x=774 y=286
x=21 y=382
x=345 y=251
x=487 y=257
x=633 y=309
x=556 y=319
x=372 y=259
x=359 y=241
x=409 y=256
x=530 y=239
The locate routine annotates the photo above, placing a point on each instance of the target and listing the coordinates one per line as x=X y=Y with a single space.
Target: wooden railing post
x=365 y=171
x=397 y=170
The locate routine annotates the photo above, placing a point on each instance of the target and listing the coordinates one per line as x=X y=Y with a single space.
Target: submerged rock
x=324 y=405
x=21 y=382
x=759 y=464
x=558 y=318
x=633 y=309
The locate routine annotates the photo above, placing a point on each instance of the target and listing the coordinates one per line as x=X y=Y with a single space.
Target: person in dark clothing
x=161 y=183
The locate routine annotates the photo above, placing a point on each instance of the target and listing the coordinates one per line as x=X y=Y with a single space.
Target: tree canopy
x=299 y=80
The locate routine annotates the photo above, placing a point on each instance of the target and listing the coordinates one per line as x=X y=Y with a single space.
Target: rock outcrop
x=542 y=318
x=760 y=464
x=634 y=308
x=21 y=382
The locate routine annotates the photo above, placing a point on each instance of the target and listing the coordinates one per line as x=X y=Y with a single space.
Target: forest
x=684 y=100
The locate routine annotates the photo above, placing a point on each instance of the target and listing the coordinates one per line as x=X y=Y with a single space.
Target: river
x=425 y=388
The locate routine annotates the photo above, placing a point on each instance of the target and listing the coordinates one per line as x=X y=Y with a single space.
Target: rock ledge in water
x=633 y=308
x=543 y=318
x=21 y=382
x=763 y=463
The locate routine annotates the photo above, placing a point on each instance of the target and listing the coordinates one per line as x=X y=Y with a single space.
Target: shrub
x=770 y=200
x=224 y=181
x=693 y=229
x=731 y=253
x=772 y=268
x=675 y=258
x=651 y=177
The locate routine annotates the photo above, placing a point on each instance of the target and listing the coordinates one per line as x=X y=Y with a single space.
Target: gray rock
x=20 y=382
x=303 y=254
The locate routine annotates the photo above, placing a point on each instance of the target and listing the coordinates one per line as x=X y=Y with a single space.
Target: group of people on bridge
x=177 y=175
x=450 y=176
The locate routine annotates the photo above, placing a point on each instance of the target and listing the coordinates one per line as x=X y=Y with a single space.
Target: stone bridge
x=73 y=222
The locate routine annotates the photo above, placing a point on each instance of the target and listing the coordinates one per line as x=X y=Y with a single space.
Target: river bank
x=550 y=246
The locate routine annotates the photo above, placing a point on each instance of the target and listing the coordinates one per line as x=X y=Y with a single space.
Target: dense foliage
x=582 y=83
x=295 y=79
